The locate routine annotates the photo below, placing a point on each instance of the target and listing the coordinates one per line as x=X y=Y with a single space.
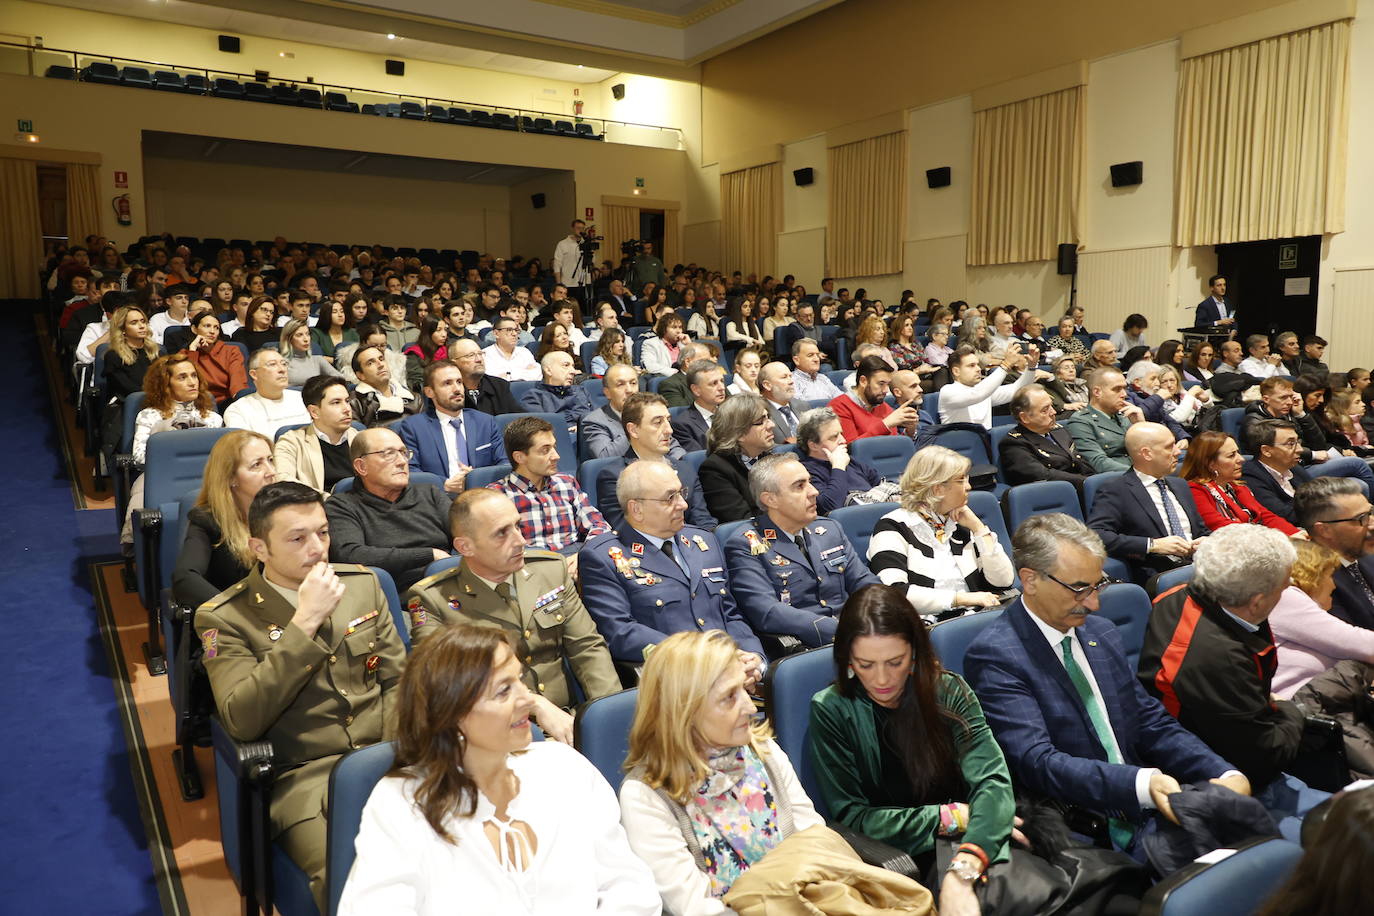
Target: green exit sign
x=639 y=182
x=25 y=127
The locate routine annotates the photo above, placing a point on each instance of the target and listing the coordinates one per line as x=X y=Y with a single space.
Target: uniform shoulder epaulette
x=537 y=554
x=225 y=596
x=429 y=581
x=354 y=568
x=1014 y=434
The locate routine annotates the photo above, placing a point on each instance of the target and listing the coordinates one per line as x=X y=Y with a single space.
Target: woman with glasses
x=933 y=546
x=741 y=432
x=259 y=328
x=1213 y=471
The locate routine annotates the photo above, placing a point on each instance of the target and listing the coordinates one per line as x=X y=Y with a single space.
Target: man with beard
x=864 y=410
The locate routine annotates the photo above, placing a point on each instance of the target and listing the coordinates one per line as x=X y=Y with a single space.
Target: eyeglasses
x=672 y=497
x=1079 y=591
x=391 y=454
x=1362 y=519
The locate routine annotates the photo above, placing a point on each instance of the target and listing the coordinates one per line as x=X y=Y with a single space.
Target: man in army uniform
x=1099 y=430
x=791 y=572
x=652 y=576
x=500 y=583
x=304 y=655
x=1038 y=448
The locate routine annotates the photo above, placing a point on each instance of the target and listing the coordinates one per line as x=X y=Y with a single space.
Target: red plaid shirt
x=556 y=517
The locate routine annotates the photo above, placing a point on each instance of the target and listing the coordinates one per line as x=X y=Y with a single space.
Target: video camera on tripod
x=632 y=247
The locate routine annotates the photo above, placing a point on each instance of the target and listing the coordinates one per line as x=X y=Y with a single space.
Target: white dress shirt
x=255 y=412
x=518 y=367
x=1283 y=478
x=159 y=323
x=1260 y=368
x=455 y=461
x=1156 y=500
x=567 y=262
x=960 y=403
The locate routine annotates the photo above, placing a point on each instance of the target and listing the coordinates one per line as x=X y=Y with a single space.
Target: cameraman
x=644 y=267
x=567 y=261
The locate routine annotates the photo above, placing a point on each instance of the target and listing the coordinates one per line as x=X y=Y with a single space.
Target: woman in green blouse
x=901 y=750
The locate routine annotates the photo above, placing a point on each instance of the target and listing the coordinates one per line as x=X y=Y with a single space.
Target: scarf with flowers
x=734 y=815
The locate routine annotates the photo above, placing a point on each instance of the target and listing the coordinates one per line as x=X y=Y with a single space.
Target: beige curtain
x=1027 y=176
x=750 y=219
x=83 y=202
x=1262 y=139
x=620 y=225
x=21 y=233
x=867 y=219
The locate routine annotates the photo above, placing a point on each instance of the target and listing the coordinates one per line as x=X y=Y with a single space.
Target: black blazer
x=1268 y=491
x=492 y=397
x=203 y=569
x=725 y=482
x=1209 y=313
x=689 y=429
x=1350 y=602
x=1124 y=517
x=1027 y=457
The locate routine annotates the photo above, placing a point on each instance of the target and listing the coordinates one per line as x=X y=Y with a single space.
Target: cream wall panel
x=701 y=243
x=940 y=135
x=1114 y=284
x=1193 y=267
x=935 y=267
x=805 y=208
x=496 y=229
x=534 y=233
x=1030 y=284
x=1352 y=325
x=802 y=254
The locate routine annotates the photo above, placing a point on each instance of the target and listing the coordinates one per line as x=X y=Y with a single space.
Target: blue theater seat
x=137 y=77
x=227 y=88
x=101 y=71
x=59 y=72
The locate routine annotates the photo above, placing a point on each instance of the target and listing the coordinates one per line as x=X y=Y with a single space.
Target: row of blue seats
x=309 y=97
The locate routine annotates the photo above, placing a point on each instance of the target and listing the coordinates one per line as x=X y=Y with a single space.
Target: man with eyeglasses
x=505 y=358
x=1063 y=700
x=1335 y=512
x=1038 y=448
x=484 y=392
x=654 y=575
x=385 y=520
x=272 y=405
x=1279 y=400
x=1275 y=472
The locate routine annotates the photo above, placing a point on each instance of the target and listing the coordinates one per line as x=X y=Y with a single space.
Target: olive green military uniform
x=315 y=698
x=546 y=618
x=1101 y=439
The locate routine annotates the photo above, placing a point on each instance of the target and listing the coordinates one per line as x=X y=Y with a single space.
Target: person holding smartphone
x=970 y=397
x=864 y=411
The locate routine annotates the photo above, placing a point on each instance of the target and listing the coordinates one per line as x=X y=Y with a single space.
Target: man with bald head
x=1147 y=518
x=655 y=575
x=777 y=387
x=385 y=520
x=483 y=392
x=557 y=393
x=1102 y=356
x=1099 y=430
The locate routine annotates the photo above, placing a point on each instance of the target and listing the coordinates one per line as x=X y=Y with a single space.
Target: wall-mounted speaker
x=618 y=90
x=937 y=178
x=803 y=177
x=229 y=44
x=1125 y=174
x=537 y=200
x=395 y=68
x=1068 y=258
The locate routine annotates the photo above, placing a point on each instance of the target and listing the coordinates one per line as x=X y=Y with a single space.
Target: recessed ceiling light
x=391 y=35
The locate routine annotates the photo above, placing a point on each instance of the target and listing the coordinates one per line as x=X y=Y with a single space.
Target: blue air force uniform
x=638 y=595
x=784 y=590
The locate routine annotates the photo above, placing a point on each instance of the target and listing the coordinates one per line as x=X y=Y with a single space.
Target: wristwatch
x=964 y=870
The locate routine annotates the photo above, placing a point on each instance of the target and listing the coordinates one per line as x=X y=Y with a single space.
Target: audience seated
x=131 y=352
x=1280 y=400
x=1038 y=448
x=970 y=397
x=838 y=478
x=808 y=384
x=934 y=547
x=260 y=330
x=215 y=554
x=432 y=345
x=1311 y=639
x=707 y=793
x=557 y=393
x=1099 y=430
x=97 y=330
x=486 y=393
x=740 y=434
x=653 y=576
x=301 y=364
x=317 y=454
x=706 y=380
x=864 y=411
x=674 y=388
x=220 y=364
x=400 y=333
x=1231 y=357
x=602 y=431
x=284 y=651
x=1213 y=468
x=649 y=434
x=506 y=358
x=493 y=819
x=1336 y=870
x=1063 y=701
x=1142 y=387
x=369 y=335
x=1335 y=512
x=660 y=355
x=174 y=397
x=379 y=399
x=1147 y=518
x=1276 y=468
x=1341 y=422
x=1102 y=355
x=1260 y=362
x=385 y=520
x=776 y=384
x=177 y=300
x=447 y=438
x=746 y=372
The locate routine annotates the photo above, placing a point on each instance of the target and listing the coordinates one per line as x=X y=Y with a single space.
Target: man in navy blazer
x=1123 y=756
x=1276 y=470
x=1336 y=513
x=1130 y=514
x=1215 y=311
x=438 y=445
x=706 y=381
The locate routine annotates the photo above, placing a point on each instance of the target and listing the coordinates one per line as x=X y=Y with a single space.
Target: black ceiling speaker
x=1125 y=174
x=618 y=90
x=1068 y=258
x=537 y=200
x=803 y=177
x=229 y=44
x=395 y=68
x=937 y=178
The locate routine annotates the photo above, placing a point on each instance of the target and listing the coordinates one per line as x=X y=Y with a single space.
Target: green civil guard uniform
x=1101 y=439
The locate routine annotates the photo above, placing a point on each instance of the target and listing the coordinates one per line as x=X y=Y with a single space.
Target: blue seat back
x=858 y=521
x=951 y=638
x=675 y=412
x=887 y=454
x=838 y=376
x=931 y=404
x=730 y=529
x=989 y=512
x=480 y=477
x=967 y=443
x=562 y=436
x=439 y=566
x=132 y=405
x=585 y=353
x=590 y=471
x=1174 y=577
x=520 y=386
x=601 y=732
x=176 y=463
x=1230 y=423
x=1090 y=487
x=1039 y=498
x=283 y=430
x=1128 y=607
x=393 y=601
x=792 y=682
x=1235 y=886
x=350 y=785
x=694 y=459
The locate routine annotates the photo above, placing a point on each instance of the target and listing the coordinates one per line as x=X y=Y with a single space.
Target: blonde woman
x=708 y=792
x=132 y=351
x=215 y=553
x=747 y=366
x=934 y=546
x=301 y=364
x=1310 y=639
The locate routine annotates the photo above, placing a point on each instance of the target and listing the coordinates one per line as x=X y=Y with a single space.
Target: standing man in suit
x=649 y=432
x=653 y=576
x=603 y=433
x=1336 y=513
x=317 y=454
x=1215 y=311
x=448 y=439
x=674 y=388
x=1099 y=430
x=1063 y=700
x=706 y=380
x=1146 y=518
x=777 y=386
x=1038 y=448
x=487 y=393
x=791 y=571
x=1276 y=470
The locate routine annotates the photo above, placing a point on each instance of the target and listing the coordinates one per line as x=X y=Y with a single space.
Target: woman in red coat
x=1212 y=470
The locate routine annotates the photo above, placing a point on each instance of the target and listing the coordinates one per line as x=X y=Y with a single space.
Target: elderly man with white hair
x=1209 y=654
x=1142 y=385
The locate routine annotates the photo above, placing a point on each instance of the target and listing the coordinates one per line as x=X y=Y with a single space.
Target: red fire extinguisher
x=122 y=211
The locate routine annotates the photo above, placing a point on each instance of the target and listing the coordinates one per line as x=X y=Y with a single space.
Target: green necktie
x=1121 y=832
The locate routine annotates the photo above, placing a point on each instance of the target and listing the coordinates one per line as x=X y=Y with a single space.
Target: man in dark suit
x=482 y=392
x=776 y=386
x=1276 y=470
x=602 y=432
x=1336 y=513
x=649 y=433
x=1063 y=700
x=1038 y=448
x=706 y=380
x=1145 y=517
x=1215 y=311
x=674 y=388
x=805 y=326
x=447 y=438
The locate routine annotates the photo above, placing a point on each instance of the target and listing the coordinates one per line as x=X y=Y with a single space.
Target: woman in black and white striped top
x=934 y=544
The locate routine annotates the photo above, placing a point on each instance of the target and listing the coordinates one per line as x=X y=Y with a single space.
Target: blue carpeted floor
x=74 y=841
